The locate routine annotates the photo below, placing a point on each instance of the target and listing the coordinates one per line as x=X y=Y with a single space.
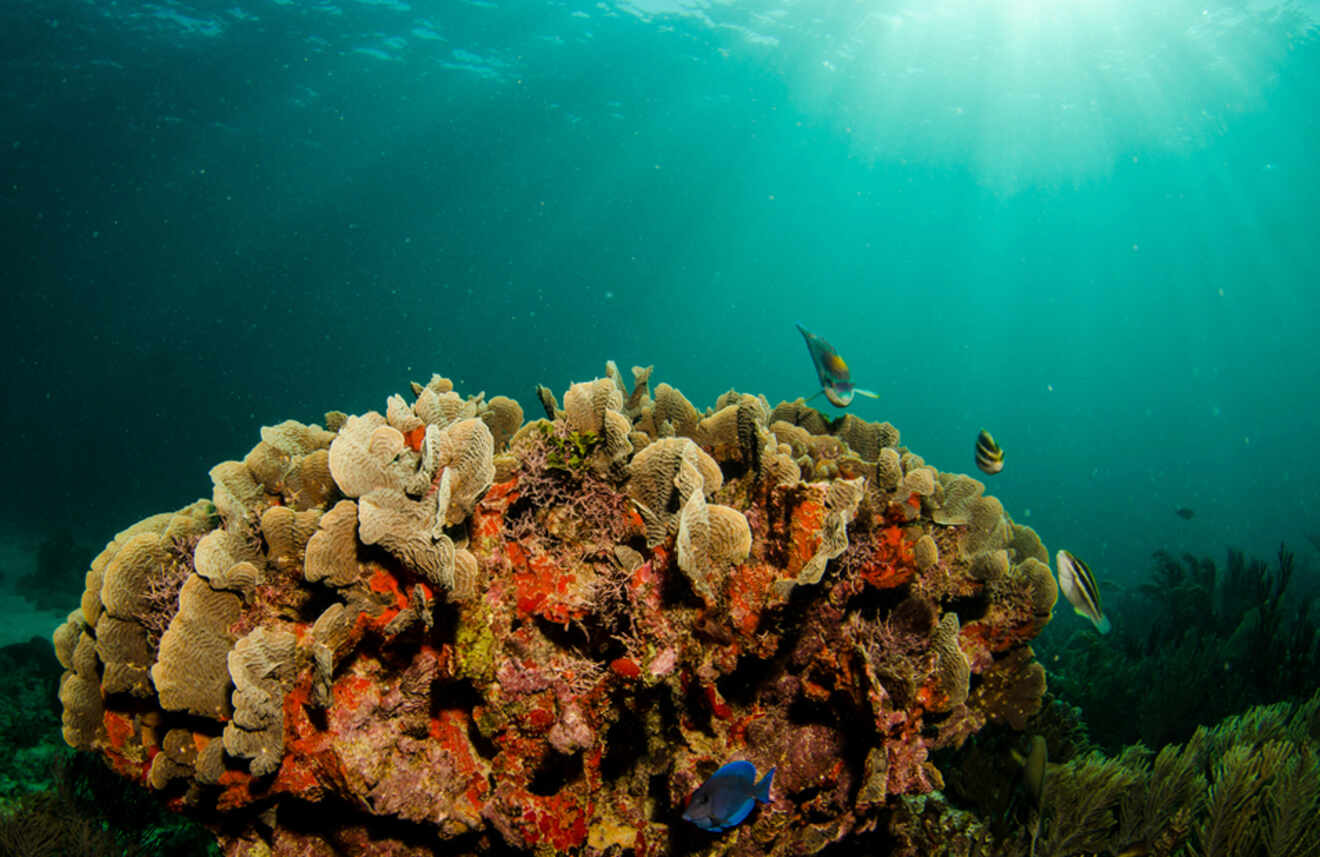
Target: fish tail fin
x=1103 y=625
x=763 y=787
x=867 y=393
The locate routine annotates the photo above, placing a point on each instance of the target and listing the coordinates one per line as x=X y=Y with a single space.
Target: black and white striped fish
x=1078 y=585
x=989 y=457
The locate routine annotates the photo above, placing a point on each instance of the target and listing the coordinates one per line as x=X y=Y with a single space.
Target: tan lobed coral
x=955 y=496
x=287 y=532
x=503 y=416
x=260 y=664
x=331 y=554
x=661 y=477
x=429 y=643
x=409 y=487
x=189 y=673
x=457 y=465
x=594 y=409
x=670 y=414
x=224 y=558
x=710 y=538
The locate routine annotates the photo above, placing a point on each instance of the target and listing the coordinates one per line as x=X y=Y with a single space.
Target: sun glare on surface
x=1028 y=91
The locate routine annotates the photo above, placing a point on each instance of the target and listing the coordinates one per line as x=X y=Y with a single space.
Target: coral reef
x=442 y=630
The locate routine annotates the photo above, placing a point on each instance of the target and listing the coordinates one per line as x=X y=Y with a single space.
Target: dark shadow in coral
x=555 y=772
x=804 y=711
x=625 y=744
x=697 y=707
x=323 y=597
x=460 y=695
x=741 y=686
x=876 y=842
x=676 y=590
x=445 y=616
x=567 y=638
x=969 y=608
x=310 y=819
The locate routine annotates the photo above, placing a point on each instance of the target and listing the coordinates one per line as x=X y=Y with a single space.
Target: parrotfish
x=989 y=457
x=835 y=379
x=1078 y=585
x=724 y=800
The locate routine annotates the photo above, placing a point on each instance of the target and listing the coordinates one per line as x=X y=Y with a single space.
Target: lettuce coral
x=425 y=641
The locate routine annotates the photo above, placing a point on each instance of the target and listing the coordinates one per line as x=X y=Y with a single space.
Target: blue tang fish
x=725 y=799
x=835 y=380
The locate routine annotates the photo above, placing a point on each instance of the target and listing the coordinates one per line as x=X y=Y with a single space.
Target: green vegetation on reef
x=1246 y=787
x=1250 y=785
x=82 y=809
x=1247 y=630
x=1196 y=643
x=56 y=802
x=568 y=450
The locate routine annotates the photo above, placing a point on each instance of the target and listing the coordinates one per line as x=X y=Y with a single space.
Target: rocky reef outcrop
x=444 y=630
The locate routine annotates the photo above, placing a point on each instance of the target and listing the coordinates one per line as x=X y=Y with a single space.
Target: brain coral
x=431 y=631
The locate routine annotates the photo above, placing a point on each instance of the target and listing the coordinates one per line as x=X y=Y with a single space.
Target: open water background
x=1087 y=226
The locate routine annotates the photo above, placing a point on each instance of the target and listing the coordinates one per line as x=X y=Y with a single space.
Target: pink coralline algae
x=448 y=638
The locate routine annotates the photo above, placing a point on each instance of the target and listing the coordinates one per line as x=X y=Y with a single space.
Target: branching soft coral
x=1248 y=786
x=1292 y=803
x=1243 y=628
x=1082 y=801
x=162 y=591
x=555 y=477
x=1251 y=785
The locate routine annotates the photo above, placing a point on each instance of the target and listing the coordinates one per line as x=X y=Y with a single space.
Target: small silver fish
x=835 y=379
x=1078 y=585
x=989 y=457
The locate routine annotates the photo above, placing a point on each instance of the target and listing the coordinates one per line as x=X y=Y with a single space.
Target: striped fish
x=1078 y=585
x=989 y=457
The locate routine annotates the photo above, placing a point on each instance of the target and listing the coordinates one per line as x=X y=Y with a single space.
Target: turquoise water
x=1088 y=227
